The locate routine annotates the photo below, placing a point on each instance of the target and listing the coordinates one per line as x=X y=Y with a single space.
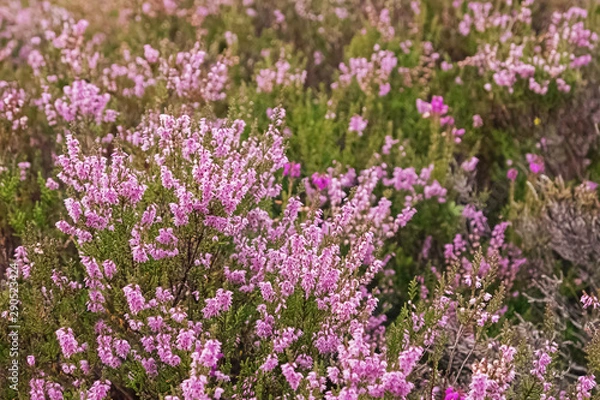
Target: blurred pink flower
x=291 y=169
x=357 y=124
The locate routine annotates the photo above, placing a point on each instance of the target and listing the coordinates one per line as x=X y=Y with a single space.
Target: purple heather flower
x=453 y=394
x=470 y=164
x=536 y=163
x=321 y=181
x=291 y=169
x=357 y=124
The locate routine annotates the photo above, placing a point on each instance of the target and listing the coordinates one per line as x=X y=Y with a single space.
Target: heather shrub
x=244 y=199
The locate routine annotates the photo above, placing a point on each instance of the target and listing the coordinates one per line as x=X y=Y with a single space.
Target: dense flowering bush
x=241 y=199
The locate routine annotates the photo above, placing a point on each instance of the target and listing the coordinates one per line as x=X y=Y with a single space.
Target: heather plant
x=246 y=199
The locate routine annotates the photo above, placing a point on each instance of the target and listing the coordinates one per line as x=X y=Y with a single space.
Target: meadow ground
x=307 y=199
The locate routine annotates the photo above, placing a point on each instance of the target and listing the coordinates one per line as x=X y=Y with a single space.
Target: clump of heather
x=315 y=200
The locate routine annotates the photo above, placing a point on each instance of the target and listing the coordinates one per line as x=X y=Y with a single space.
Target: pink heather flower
x=304 y=361
x=177 y=314
x=389 y=143
x=68 y=368
x=163 y=296
x=581 y=61
x=291 y=169
x=409 y=358
x=210 y=355
x=84 y=366
x=105 y=351
x=384 y=89
x=67 y=342
x=512 y=174
x=477 y=121
x=447 y=120
x=54 y=390
x=446 y=66
x=91 y=267
x=589 y=301
x=435 y=190
x=585 y=384
x=22 y=261
x=139 y=254
x=149 y=215
x=318 y=57
x=36 y=389
x=122 y=348
x=149 y=365
x=98 y=391
x=151 y=55
x=536 y=163
x=155 y=323
x=562 y=85
x=470 y=164
x=30 y=360
x=424 y=108
x=264 y=327
x=73 y=209
x=23 y=167
x=279 y=17
x=436 y=107
x=453 y=394
x=135 y=299
x=194 y=388
x=166 y=236
x=51 y=184
x=478 y=387
x=415 y=6
x=84 y=100
x=185 y=339
x=281 y=75
x=292 y=377
x=270 y=363
x=221 y=302
x=80 y=27
x=395 y=383
x=321 y=181
x=591 y=186
x=266 y=289
x=230 y=38
x=458 y=132
x=357 y=124
x=541 y=361
x=109 y=268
